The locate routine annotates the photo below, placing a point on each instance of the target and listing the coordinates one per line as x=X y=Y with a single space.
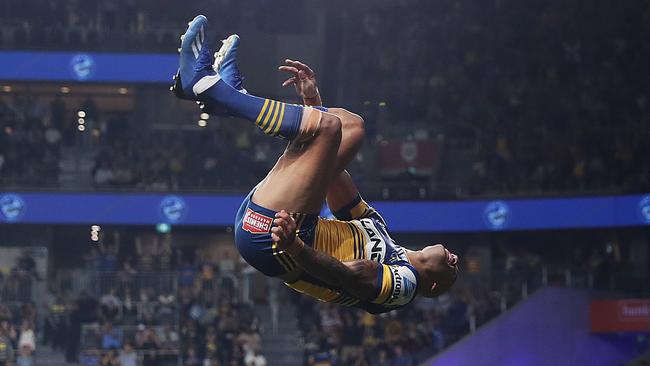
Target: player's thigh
x=300 y=179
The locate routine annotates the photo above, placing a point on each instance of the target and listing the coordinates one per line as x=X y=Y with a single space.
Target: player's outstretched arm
x=358 y=278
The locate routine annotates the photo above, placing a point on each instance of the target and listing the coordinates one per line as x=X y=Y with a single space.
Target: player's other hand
x=284 y=231
x=303 y=78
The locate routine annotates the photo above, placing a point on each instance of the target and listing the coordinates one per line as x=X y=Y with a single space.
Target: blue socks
x=274 y=118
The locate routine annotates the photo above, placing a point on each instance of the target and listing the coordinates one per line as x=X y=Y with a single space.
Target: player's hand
x=284 y=231
x=303 y=78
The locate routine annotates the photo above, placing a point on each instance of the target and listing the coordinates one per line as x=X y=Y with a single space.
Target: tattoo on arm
x=358 y=277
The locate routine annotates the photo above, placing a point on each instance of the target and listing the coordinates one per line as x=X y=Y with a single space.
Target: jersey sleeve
x=357 y=209
x=396 y=285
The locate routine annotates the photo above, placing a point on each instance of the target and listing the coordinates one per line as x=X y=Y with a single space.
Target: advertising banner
x=615 y=316
x=401 y=216
x=85 y=67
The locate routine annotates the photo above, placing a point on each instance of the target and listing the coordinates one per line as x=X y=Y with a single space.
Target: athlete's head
x=438 y=270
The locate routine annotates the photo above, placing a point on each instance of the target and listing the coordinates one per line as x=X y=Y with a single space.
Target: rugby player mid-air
x=351 y=260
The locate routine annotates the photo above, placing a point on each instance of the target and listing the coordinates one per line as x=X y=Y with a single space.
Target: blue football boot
x=195 y=59
x=225 y=63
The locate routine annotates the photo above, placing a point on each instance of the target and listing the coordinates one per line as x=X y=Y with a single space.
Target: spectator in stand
x=108 y=254
x=400 y=357
x=146 y=341
x=27 y=264
x=110 y=305
x=25 y=357
x=192 y=358
x=6 y=346
x=7 y=328
x=90 y=358
x=27 y=338
x=110 y=337
x=352 y=337
x=168 y=338
x=127 y=355
x=110 y=358
x=255 y=359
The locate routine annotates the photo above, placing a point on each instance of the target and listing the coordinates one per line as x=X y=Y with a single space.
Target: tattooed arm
x=357 y=278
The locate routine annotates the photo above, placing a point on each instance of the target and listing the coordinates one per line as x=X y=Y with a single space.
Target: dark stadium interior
x=510 y=100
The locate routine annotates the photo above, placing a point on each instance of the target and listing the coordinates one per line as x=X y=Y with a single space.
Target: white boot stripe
x=195 y=51
x=202 y=35
x=205 y=83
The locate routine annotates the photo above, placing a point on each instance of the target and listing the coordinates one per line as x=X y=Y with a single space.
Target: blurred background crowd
x=461 y=99
x=559 y=105
x=146 y=299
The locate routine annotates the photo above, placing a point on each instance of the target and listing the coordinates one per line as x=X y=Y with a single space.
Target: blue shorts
x=253 y=237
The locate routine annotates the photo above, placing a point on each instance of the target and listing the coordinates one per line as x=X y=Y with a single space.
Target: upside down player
x=352 y=260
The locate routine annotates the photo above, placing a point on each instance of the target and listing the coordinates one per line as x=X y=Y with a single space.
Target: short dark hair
x=445 y=277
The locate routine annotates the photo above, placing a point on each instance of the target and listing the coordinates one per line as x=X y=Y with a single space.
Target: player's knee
x=356 y=125
x=350 y=121
x=330 y=125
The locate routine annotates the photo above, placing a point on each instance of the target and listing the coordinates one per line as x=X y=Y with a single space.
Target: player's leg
x=301 y=178
x=343 y=191
x=352 y=134
x=197 y=80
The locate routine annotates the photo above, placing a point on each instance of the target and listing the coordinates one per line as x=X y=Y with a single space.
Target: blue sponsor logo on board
x=497 y=215
x=12 y=207
x=173 y=209
x=644 y=208
x=82 y=66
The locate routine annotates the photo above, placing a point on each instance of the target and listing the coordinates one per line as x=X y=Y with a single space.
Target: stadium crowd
x=172 y=161
x=542 y=103
x=116 y=25
x=155 y=311
x=30 y=141
x=541 y=108
x=18 y=312
x=149 y=303
x=17 y=335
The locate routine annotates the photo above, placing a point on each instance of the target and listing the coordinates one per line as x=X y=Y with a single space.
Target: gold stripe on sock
x=265 y=123
x=274 y=119
x=277 y=127
x=259 y=117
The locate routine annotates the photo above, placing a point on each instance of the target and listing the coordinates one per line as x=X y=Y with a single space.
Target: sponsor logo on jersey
x=256 y=223
x=376 y=245
x=404 y=286
x=397 y=289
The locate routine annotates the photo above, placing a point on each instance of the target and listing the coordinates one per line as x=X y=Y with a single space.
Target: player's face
x=441 y=256
x=445 y=267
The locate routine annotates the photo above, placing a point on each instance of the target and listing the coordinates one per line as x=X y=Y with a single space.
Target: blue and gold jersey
x=363 y=236
x=358 y=233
